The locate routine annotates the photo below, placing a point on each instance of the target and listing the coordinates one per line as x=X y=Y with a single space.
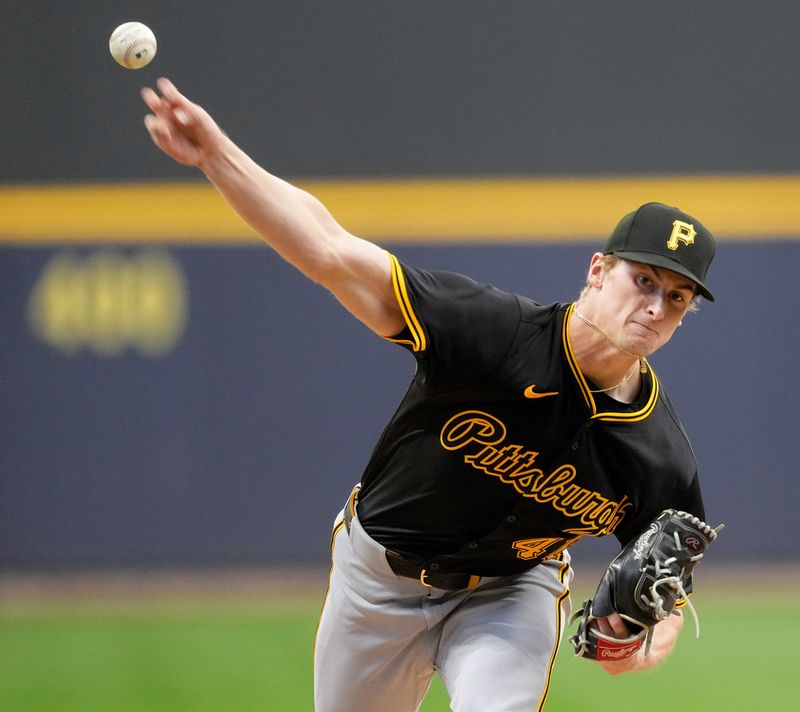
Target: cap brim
x=649 y=258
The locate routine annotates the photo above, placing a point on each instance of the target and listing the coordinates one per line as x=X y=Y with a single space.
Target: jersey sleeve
x=691 y=500
x=685 y=497
x=457 y=328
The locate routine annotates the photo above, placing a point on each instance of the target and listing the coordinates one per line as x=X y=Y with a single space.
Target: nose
x=656 y=305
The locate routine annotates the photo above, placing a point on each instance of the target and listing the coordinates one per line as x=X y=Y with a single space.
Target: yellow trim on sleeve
x=418 y=342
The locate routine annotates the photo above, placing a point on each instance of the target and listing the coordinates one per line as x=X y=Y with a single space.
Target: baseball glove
x=643 y=584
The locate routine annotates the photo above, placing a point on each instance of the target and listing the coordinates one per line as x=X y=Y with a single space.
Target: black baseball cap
x=664 y=236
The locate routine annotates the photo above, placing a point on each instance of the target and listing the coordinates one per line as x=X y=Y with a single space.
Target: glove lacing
x=674 y=582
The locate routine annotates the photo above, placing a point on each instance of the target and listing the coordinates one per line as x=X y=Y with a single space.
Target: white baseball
x=133 y=45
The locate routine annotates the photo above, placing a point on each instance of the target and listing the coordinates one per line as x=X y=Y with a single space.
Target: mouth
x=647 y=330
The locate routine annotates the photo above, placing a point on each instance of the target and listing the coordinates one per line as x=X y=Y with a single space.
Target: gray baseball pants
x=382 y=637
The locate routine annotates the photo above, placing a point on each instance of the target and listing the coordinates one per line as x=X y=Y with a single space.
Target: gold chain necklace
x=611 y=388
x=642 y=361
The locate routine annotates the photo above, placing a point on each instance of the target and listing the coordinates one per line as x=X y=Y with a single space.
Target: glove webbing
x=675 y=583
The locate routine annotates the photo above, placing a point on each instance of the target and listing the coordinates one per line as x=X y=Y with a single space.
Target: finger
x=151 y=123
x=604 y=626
x=617 y=625
x=171 y=93
x=612 y=626
x=158 y=105
x=165 y=85
x=183 y=111
x=182 y=117
x=150 y=98
x=158 y=129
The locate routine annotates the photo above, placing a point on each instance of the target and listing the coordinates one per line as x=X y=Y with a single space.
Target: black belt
x=408 y=569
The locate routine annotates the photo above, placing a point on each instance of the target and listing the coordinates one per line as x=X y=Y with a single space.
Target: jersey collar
x=588 y=396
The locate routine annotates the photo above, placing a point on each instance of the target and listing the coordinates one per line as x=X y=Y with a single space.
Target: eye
x=643 y=280
x=677 y=297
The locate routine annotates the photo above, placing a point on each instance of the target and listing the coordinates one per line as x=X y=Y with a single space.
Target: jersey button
x=511 y=518
x=434 y=567
x=574 y=446
x=589 y=423
x=472 y=545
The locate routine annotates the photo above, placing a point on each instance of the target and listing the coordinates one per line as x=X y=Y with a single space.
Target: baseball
x=133 y=45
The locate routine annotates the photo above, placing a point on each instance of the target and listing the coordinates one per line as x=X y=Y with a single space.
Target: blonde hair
x=608 y=262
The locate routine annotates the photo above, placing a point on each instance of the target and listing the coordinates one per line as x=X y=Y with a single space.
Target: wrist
x=219 y=157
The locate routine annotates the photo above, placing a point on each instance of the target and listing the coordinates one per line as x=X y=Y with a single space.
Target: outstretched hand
x=181 y=129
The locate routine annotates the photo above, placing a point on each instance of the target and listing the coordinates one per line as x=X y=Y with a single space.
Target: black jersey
x=500 y=455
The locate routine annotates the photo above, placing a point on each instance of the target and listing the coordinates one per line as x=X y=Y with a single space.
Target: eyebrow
x=689 y=286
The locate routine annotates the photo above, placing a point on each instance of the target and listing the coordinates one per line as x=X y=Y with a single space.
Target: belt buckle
x=423 y=574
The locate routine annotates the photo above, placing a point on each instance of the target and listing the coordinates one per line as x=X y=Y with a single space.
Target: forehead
x=665 y=277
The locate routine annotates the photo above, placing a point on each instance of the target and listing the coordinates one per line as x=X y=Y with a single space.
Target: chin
x=645 y=347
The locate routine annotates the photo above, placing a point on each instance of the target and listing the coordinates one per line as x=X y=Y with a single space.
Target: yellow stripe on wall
x=406 y=210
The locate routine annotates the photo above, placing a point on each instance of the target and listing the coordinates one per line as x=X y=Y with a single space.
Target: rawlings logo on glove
x=643 y=584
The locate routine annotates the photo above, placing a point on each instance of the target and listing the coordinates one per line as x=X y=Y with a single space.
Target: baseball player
x=524 y=429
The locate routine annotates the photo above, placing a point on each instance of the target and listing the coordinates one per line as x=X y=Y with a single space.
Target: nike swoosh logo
x=529 y=392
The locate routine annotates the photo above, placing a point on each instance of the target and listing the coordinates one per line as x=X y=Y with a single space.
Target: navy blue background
x=241 y=444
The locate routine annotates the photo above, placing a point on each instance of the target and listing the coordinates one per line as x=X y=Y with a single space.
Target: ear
x=596 y=273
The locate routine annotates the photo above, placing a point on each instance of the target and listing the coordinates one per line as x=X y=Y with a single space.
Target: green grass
x=742 y=661
x=154 y=660
x=162 y=662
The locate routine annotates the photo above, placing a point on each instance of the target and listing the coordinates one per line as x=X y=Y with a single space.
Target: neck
x=615 y=369
x=611 y=342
